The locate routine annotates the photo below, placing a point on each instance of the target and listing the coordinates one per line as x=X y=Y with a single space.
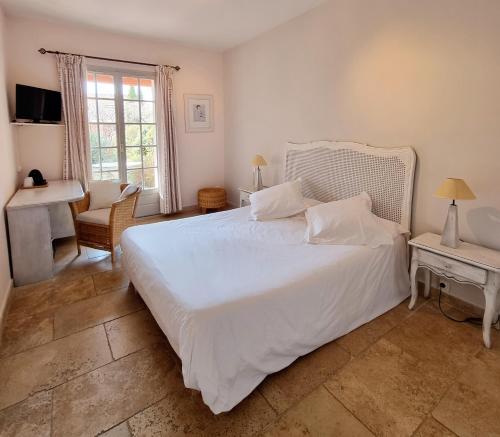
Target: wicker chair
x=104 y=236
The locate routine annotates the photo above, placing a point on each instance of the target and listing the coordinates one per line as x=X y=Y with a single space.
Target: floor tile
x=318 y=414
x=286 y=387
x=447 y=347
x=20 y=334
x=491 y=357
x=184 y=413
x=110 y=280
x=52 y=364
x=118 y=431
x=95 y=310
x=431 y=427
x=31 y=417
x=472 y=406
x=389 y=390
x=101 y=399
x=49 y=296
x=75 y=267
x=132 y=333
x=95 y=253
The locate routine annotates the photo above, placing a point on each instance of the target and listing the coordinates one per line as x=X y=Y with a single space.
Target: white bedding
x=240 y=299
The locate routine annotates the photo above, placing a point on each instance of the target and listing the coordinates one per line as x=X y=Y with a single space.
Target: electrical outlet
x=444 y=285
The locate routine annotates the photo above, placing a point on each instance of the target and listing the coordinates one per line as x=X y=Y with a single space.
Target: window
x=121 y=115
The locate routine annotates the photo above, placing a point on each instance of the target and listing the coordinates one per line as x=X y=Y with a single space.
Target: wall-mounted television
x=37 y=104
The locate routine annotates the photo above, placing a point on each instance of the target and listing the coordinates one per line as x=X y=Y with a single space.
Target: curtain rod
x=43 y=51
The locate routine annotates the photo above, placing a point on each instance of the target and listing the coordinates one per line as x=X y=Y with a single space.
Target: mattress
x=240 y=299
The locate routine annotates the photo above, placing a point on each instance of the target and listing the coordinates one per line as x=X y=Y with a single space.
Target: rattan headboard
x=334 y=170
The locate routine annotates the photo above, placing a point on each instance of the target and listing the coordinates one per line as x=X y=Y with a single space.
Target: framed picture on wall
x=199 y=112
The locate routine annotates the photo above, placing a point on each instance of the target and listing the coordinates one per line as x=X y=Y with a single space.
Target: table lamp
x=454 y=189
x=258 y=161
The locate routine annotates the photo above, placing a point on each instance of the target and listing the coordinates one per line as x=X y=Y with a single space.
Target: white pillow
x=310 y=202
x=276 y=202
x=128 y=191
x=103 y=194
x=349 y=221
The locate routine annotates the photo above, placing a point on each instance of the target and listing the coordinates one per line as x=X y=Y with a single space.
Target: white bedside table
x=245 y=195
x=468 y=263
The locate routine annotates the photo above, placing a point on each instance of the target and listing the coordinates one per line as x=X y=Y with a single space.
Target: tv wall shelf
x=20 y=123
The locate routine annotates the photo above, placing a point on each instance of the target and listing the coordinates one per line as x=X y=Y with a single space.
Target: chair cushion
x=128 y=191
x=103 y=194
x=96 y=216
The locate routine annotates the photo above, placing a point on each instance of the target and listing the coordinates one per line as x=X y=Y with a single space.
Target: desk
x=31 y=230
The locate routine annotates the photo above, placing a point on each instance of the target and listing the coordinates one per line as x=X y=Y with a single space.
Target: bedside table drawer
x=452 y=266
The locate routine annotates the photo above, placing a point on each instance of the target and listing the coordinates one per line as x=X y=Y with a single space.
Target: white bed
x=240 y=299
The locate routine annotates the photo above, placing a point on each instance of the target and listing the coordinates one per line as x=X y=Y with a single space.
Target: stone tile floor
x=82 y=356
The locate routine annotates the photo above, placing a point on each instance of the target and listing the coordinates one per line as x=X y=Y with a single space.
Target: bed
x=240 y=299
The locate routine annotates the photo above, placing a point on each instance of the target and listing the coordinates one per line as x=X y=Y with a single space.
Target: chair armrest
x=122 y=215
x=80 y=205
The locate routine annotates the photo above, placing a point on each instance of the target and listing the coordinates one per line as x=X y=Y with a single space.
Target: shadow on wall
x=485 y=225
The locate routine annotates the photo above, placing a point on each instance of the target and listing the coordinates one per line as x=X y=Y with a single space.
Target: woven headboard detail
x=338 y=170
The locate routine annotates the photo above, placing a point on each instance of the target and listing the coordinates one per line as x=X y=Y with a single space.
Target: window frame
x=118 y=74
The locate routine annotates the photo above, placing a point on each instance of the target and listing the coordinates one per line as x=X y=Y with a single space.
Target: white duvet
x=240 y=299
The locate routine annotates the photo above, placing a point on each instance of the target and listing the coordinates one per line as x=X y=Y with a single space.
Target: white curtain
x=72 y=78
x=169 y=187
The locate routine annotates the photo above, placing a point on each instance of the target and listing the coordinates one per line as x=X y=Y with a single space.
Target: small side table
x=467 y=264
x=245 y=195
x=211 y=198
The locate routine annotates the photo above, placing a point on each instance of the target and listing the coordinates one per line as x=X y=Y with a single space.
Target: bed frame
x=334 y=170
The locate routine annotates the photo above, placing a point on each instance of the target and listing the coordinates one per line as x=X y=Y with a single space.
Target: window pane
x=134 y=177
x=131 y=112
x=130 y=88
x=92 y=112
x=106 y=111
x=148 y=135
x=147 y=89
x=90 y=85
x=105 y=86
x=134 y=157
x=147 y=112
x=93 y=137
x=150 y=178
x=96 y=162
x=96 y=174
x=132 y=135
x=109 y=159
x=108 y=135
x=110 y=175
x=149 y=156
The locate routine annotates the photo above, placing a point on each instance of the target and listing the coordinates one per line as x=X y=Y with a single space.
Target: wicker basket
x=211 y=198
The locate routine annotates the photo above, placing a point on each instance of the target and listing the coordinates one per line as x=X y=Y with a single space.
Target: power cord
x=473 y=320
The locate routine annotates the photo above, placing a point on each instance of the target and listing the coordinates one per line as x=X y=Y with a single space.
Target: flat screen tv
x=37 y=104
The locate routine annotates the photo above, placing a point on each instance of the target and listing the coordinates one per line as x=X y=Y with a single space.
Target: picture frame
x=199 y=112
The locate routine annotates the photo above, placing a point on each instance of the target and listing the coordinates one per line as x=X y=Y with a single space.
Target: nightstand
x=467 y=264
x=245 y=195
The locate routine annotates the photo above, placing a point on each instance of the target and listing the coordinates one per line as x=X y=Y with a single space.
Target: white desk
x=31 y=230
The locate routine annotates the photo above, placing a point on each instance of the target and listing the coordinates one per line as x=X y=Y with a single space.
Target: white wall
x=7 y=176
x=385 y=72
x=201 y=154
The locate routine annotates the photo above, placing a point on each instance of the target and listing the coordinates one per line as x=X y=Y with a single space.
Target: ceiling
x=215 y=24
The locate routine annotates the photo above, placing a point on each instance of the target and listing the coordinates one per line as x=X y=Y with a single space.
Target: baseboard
x=4 y=306
x=452 y=299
